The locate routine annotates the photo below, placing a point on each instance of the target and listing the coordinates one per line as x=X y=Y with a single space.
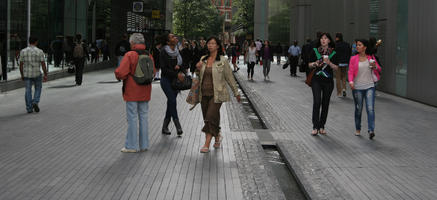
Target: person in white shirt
x=258 y=45
x=293 y=54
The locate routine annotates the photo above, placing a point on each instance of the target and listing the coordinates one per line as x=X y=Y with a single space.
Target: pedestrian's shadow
x=14 y=116
x=108 y=82
x=62 y=86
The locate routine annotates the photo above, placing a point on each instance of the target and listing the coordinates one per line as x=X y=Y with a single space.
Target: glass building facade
x=48 y=19
x=99 y=21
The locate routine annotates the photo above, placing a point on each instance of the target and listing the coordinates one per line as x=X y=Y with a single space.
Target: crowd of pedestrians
x=174 y=62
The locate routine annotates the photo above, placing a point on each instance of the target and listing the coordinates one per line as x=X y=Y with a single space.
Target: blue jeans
x=137 y=111
x=28 y=95
x=369 y=96
x=171 y=98
x=119 y=58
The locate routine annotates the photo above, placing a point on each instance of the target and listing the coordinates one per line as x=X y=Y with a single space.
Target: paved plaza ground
x=71 y=149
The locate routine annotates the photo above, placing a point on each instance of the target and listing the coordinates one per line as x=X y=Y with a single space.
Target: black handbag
x=184 y=85
x=71 y=70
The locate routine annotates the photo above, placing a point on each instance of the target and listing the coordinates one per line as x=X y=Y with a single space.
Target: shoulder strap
x=142 y=52
x=332 y=54
x=317 y=53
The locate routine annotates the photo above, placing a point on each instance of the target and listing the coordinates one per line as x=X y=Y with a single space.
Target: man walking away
x=58 y=50
x=343 y=50
x=278 y=51
x=79 y=54
x=294 y=53
x=122 y=47
x=31 y=59
x=156 y=50
x=306 y=53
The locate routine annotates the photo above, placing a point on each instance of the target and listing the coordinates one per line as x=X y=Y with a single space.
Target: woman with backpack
x=323 y=62
x=363 y=73
x=171 y=68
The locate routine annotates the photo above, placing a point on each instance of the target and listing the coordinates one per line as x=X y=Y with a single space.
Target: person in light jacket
x=363 y=74
x=214 y=75
x=137 y=98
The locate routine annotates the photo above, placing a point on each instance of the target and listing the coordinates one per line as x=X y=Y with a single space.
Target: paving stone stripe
x=71 y=149
x=393 y=166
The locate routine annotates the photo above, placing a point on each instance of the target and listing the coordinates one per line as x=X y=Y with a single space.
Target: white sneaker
x=124 y=150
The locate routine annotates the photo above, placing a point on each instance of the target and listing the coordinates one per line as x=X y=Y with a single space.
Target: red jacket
x=132 y=91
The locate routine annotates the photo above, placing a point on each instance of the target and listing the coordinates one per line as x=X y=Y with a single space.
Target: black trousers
x=322 y=90
x=58 y=56
x=250 y=69
x=79 y=63
x=293 y=64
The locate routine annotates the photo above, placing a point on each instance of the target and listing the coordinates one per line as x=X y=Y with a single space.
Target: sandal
x=314 y=132
x=204 y=150
x=322 y=132
x=218 y=143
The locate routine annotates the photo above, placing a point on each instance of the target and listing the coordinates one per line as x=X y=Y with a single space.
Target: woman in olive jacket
x=214 y=75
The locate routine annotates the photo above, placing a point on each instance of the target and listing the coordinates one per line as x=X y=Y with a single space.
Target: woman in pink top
x=363 y=74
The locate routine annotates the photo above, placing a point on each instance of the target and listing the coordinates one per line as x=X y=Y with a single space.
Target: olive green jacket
x=221 y=75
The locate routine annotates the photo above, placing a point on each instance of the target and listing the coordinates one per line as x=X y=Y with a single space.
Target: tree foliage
x=245 y=15
x=195 y=18
x=279 y=26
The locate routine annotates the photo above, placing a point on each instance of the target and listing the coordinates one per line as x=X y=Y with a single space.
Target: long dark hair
x=163 y=39
x=331 y=42
x=367 y=44
x=219 y=50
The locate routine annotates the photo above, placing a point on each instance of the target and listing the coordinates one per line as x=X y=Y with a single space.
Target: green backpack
x=144 y=71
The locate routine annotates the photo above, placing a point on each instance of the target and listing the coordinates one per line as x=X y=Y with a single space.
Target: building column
x=29 y=12
x=261 y=23
x=169 y=15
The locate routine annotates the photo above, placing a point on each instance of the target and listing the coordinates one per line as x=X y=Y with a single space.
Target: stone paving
x=400 y=163
x=71 y=149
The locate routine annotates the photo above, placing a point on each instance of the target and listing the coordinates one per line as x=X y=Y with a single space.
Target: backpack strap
x=317 y=54
x=142 y=52
x=332 y=54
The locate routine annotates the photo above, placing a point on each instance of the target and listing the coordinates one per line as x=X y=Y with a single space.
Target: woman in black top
x=171 y=64
x=324 y=61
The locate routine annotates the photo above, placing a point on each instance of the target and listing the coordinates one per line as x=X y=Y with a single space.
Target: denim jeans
x=137 y=111
x=369 y=96
x=119 y=58
x=171 y=98
x=37 y=81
